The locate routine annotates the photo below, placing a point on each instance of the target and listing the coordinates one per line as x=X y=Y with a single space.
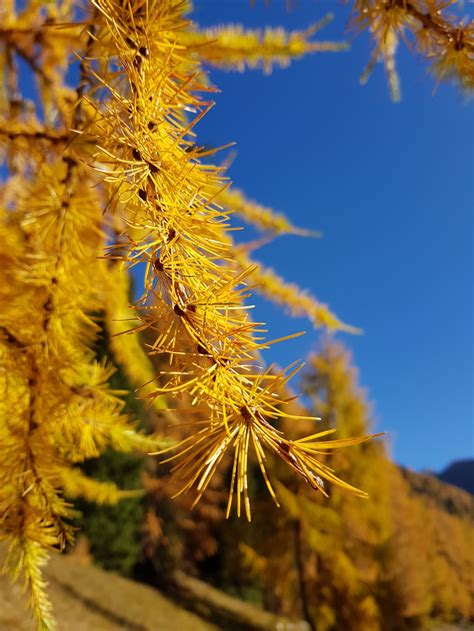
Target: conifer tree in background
x=111 y=164
x=317 y=558
x=388 y=564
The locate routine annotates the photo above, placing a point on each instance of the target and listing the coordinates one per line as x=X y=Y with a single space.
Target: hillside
x=446 y=496
x=86 y=598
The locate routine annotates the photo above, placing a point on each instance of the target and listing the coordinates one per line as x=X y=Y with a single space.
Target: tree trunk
x=301 y=574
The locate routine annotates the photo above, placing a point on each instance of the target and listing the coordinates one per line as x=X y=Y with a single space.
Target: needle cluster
x=427 y=28
x=192 y=308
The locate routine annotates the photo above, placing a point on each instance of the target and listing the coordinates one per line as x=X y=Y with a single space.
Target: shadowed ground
x=89 y=599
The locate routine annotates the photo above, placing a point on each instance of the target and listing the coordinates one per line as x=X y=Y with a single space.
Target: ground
x=89 y=599
x=85 y=598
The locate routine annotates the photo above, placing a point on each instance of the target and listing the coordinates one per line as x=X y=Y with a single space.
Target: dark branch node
x=179 y=312
x=245 y=413
x=48 y=305
x=11 y=339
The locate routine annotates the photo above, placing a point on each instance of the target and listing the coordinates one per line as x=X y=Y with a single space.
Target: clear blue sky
x=390 y=187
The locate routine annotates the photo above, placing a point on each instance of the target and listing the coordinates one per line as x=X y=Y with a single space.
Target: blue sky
x=390 y=187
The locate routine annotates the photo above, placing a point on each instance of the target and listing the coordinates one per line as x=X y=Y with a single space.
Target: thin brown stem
x=440 y=26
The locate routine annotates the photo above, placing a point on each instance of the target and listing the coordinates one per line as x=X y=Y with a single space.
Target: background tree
x=393 y=562
x=104 y=158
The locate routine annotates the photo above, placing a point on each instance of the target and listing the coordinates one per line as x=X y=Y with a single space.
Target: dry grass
x=86 y=598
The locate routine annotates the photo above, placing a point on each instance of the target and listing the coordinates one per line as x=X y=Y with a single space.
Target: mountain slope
x=444 y=495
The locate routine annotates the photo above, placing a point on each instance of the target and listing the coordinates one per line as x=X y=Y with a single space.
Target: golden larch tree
x=105 y=173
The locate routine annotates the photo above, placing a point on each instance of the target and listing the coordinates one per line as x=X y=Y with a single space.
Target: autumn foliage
x=394 y=562
x=103 y=173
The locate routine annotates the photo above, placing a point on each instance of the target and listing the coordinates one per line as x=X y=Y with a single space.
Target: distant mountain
x=461 y=474
x=446 y=496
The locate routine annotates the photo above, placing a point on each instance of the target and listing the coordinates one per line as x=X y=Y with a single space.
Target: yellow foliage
x=125 y=341
x=76 y=484
x=122 y=140
x=235 y=48
x=297 y=301
x=386 y=564
x=191 y=307
x=256 y=564
x=56 y=408
x=262 y=217
x=445 y=41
